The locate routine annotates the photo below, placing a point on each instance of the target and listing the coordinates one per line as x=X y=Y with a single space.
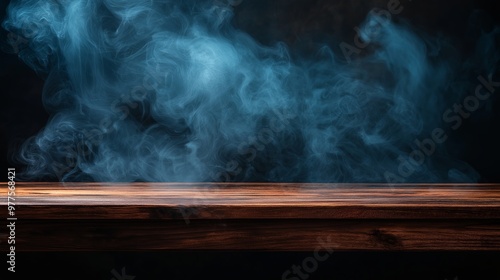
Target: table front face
x=256 y=216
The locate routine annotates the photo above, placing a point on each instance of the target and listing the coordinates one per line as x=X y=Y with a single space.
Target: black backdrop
x=300 y=24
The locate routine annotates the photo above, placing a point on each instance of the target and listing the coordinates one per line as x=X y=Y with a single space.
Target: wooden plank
x=261 y=235
x=255 y=216
x=255 y=201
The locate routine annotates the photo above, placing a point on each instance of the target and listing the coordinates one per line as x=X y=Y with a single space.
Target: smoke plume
x=170 y=91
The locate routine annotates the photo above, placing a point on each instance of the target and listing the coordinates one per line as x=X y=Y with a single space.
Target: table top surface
x=255 y=216
x=257 y=200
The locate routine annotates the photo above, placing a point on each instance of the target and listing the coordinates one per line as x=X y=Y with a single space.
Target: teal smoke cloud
x=171 y=91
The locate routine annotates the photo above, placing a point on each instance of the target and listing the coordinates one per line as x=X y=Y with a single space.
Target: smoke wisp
x=170 y=91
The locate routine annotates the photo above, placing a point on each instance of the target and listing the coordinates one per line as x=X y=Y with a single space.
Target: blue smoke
x=170 y=91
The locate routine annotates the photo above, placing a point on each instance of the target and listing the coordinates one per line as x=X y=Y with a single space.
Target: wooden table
x=255 y=216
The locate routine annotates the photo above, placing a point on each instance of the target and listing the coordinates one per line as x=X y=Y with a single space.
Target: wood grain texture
x=255 y=216
x=255 y=201
x=261 y=235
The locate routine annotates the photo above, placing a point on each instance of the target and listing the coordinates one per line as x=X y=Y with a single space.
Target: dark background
x=260 y=265
x=303 y=25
